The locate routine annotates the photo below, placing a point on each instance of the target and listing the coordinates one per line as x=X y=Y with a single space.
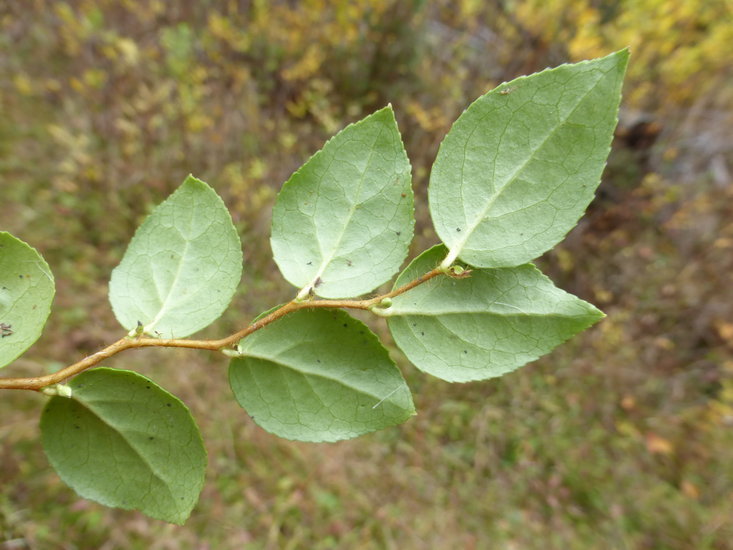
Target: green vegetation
x=342 y=227
x=619 y=439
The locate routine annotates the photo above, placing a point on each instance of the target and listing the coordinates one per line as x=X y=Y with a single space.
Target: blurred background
x=621 y=438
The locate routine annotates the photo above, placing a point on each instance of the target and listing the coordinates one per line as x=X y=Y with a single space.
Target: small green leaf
x=182 y=266
x=520 y=165
x=26 y=294
x=342 y=224
x=485 y=325
x=317 y=375
x=123 y=441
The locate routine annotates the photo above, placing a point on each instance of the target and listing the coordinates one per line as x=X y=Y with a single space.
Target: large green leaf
x=520 y=165
x=182 y=266
x=26 y=294
x=318 y=375
x=485 y=325
x=125 y=442
x=342 y=224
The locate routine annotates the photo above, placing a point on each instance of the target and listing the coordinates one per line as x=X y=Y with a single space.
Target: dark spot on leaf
x=465 y=351
x=147 y=387
x=422 y=333
x=404 y=195
x=346 y=325
x=398 y=233
x=150 y=438
x=77 y=426
x=20 y=276
x=309 y=263
x=168 y=404
x=458 y=229
x=318 y=360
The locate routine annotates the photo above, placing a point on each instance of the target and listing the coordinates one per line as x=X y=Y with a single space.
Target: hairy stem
x=37 y=383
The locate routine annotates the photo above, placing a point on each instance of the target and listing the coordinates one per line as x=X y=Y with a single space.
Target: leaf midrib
x=284 y=364
x=88 y=405
x=352 y=209
x=457 y=248
x=423 y=313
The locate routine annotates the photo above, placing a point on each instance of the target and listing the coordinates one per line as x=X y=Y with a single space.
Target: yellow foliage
x=23 y=84
x=657 y=444
x=679 y=49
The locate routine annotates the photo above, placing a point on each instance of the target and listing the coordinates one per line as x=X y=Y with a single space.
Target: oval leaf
x=520 y=165
x=123 y=441
x=317 y=375
x=26 y=294
x=483 y=326
x=182 y=266
x=342 y=224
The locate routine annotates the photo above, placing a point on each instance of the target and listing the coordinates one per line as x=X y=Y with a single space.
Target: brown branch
x=37 y=383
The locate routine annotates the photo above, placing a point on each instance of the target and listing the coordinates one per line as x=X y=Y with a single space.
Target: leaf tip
x=193 y=181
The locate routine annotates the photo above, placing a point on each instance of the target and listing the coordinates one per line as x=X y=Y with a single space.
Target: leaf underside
x=26 y=294
x=182 y=266
x=343 y=222
x=124 y=442
x=521 y=164
x=318 y=375
x=483 y=326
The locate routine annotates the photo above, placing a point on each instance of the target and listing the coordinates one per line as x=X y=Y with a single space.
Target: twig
x=37 y=383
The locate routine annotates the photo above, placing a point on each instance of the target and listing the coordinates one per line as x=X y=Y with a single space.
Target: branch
x=37 y=383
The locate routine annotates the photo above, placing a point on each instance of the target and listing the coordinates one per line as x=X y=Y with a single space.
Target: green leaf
x=123 y=441
x=182 y=266
x=342 y=224
x=485 y=325
x=26 y=294
x=520 y=165
x=318 y=375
